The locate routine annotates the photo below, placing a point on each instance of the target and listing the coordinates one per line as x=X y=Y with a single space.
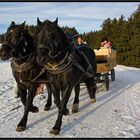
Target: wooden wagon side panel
x=106 y=59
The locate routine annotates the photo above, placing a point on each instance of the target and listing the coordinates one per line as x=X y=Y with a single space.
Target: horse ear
x=56 y=21
x=12 y=23
x=38 y=22
x=23 y=24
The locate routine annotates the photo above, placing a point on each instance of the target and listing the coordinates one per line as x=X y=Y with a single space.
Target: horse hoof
x=54 y=132
x=20 y=128
x=66 y=112
x=47 y=108
x=93 y=100
x=75 y=108
x=34 y=109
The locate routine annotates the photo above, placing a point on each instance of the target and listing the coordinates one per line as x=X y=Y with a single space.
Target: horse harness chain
x=61 y=66
x=68 y=61
x=25 y=67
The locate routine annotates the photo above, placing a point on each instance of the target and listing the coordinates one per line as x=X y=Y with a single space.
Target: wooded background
x=124 y=33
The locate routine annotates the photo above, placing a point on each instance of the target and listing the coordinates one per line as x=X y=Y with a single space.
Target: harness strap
x=88 y=72
x=85 y=72
x=85 y=57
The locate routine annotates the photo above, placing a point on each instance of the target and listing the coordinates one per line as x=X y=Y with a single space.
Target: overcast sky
x=84 y=16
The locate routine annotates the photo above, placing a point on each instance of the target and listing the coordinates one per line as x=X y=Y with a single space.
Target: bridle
x=14 y=48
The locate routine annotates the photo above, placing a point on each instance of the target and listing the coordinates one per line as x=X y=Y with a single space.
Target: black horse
x=67 y=66
x=19 y=45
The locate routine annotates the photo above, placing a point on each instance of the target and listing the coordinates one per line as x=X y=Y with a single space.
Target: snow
x=115 y=114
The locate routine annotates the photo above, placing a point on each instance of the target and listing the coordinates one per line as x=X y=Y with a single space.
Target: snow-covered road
x=115 y=114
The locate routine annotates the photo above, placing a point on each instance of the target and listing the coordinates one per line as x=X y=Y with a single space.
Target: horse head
x=49 y=40
x=17 y=42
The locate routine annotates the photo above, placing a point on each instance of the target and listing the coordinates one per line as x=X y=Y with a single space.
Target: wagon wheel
x=113 y=75
x=106 y=81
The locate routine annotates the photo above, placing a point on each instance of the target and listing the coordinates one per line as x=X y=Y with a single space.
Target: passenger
x=110 y=43
x=105 y=43
x=80 y=43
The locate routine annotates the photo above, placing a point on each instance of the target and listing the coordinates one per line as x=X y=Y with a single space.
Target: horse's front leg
x=22 y=94
x=62 y=110
x=56 y=95
x=75 y=106
x=49 y=99
x=23 y=97
x=28 y=106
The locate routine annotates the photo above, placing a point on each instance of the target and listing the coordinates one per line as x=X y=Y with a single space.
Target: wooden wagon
x=106 y=61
